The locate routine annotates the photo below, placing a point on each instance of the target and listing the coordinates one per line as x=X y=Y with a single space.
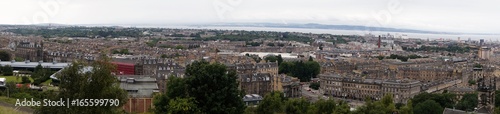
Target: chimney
x=379 y=41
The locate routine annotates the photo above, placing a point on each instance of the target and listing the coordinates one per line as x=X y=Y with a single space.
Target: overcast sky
x=478 y=16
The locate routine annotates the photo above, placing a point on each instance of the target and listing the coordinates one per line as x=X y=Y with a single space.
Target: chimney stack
x=379 y=41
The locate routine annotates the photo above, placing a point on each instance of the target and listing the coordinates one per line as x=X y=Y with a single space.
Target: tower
x=379 y=40
x=486 y=92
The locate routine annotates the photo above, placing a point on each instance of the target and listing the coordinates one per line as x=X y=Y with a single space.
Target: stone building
x=402 y=90
x=32 y=51
x=291 y=87
x=356 y=87
x=256 y=83
x=425 y=73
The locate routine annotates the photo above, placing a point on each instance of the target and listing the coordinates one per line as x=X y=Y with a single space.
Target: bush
x=25 y=80
x=21 y=95
x=7 y=70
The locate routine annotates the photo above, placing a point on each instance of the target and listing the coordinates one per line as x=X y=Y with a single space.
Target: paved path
x=17 y=108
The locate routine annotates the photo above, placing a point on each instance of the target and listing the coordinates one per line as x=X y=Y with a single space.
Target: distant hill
x=333 y=27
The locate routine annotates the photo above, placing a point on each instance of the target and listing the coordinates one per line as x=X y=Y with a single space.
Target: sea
x=431 y=36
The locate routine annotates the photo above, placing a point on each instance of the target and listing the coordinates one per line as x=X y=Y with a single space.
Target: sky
x=468 y=16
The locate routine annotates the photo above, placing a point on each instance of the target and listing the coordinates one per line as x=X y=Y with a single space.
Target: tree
x=163 y=56
x=428 y=107
x=213 y=88
x=325 y=106
x=183 y=106
x=7 y=70
x=25 y=80
x=342 y=108
x=380 y=57
x=311 y=58
x=285 y=67
x=18 y=59
x=176 y=87
x=314 y=85
x=296 y=106
x=471 y=82
x=98 y=83
x=279 y=59
x=468 y=102
x=371 y=107
x=179 y=47
x=38 y=68
x=271 y=58
x=497 y=98
x=41 y=75
x=4 y=56
x=272 y=103
x=388 y=103
x=445 y=99
x=303 y=70
x=407 y=109
x=477 y=65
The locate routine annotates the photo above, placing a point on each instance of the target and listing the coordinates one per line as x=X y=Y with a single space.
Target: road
x=315 y=95
x=17 y=108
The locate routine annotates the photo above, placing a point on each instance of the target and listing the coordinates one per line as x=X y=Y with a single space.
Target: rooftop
x=28 y=64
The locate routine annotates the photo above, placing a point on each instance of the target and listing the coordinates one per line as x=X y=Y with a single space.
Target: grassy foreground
x=14 y=79
x=8 y=110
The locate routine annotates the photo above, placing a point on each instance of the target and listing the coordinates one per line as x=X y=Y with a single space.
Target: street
x=314 y=95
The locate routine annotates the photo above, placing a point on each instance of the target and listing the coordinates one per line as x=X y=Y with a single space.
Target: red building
x=124 y=68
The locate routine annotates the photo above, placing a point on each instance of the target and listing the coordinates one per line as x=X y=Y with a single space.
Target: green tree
x=311 y=58
x=325 y=106
x=183 y=106
x=97 y=83
x=468 y=102
x=497 y=98
x=38 y=68
x=285 y=67
x=407 y=109
x=388 y=103
x=25 y=80
x=371 y=107
x=314 y=85
x=4 y=56
x=297 y=106
x=272 y=103
x=428 y=107
x=18 y=59
x=179 y=47
x=271 y=58
x=41 y=75
x=380 y=57
x=163 y=56
x=279 y=59
x=303 y=70
x=250 y=110
x=313 y=68
x=7 y=70
x=342 y=108
x=477 y=65
x=176 y=87
x=213 y=88
x=446 y=100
